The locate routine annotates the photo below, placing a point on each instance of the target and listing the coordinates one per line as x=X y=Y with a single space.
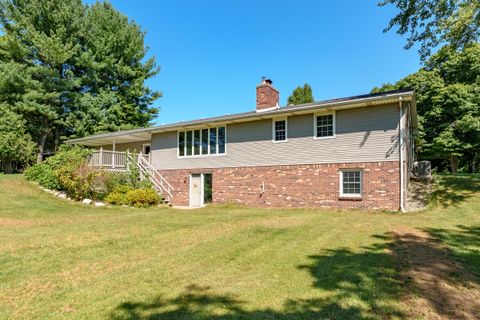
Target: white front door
x=196 y=190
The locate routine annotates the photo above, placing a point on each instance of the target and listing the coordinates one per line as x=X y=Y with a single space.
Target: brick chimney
x=267 y=95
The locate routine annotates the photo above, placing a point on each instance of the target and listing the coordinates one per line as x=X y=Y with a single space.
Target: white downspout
x=400 y=138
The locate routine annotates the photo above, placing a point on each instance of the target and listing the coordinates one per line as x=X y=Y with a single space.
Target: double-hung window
x=202 y=142
x=351 y=183
x=279 y=130
x=324 y=125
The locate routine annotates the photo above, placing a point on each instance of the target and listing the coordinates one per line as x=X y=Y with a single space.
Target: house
x=353 y=152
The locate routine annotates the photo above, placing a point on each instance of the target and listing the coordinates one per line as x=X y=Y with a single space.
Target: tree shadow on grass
x=406 y=274
x=464 y=242
x=355 y=285
x=452 y=190
x=437 y=286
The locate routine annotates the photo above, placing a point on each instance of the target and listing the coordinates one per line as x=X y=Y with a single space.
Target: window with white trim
x=324 y=125
x=279 y=130
x=202 y=142
x=351 y=183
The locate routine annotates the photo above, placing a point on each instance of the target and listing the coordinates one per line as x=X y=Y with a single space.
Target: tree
x=15 y=144
x=82 y=69
x=301 y=95
x=448 y=103
x=113 y=74
x=435 y=22
x=41 y=38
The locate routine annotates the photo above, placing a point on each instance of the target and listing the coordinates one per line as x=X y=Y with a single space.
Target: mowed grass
x=62 y=260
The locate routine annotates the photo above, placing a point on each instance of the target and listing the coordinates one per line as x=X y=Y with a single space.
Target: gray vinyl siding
x=362 y=135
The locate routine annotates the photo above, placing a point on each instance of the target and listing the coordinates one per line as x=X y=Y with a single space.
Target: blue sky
x=212 y=53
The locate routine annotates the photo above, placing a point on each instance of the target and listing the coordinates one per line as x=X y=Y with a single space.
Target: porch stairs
x=123 y=161
x=147 y=171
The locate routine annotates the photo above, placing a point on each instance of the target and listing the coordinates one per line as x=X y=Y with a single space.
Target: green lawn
x=61 y=260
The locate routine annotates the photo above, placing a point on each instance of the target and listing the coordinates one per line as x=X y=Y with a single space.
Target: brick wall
x=295 y=186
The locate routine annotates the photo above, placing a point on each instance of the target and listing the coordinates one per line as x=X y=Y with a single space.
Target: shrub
x=53 y=173
x=118 y=180
x=72 y=156
x=43 y=175
x=118 y=196
x=144 y=184
x=142 y=197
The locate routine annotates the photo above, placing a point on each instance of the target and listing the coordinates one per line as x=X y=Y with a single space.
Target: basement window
x=202 y=142
x=351 y=183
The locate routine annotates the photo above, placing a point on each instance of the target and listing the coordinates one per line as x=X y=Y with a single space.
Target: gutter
x=251 y=116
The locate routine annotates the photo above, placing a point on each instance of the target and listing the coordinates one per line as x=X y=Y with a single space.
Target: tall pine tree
x=70 y=69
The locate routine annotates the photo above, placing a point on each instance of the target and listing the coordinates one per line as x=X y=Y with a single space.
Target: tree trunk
x=56 y=141
x=41 y=147
x=473 y=169
x=453 y=164
x=9 y=166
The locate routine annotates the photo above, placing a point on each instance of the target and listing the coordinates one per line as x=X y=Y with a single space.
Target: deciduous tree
x=436 y=22
x=301 y=95
x=448 y=101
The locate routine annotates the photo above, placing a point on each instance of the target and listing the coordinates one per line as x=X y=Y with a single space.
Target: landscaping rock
x=61 y=195
x=99 y=204
x=87 y=202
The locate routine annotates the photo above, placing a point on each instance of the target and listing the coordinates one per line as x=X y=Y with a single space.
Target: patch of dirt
x=437 y=286
x=7 y=222
x=418 y=195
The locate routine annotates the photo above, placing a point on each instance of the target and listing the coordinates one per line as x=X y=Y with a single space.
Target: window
x=213 y=140
x=221 y=140
x=280 y=130
x=181 y=144
x=146 y=148
x=196 y=142
x=189 y=143
x=351 y=183
x=325 y=125
x=205 y=141
x=202 y=142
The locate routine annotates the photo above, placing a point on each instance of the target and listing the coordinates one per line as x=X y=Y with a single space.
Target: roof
x=141 y=134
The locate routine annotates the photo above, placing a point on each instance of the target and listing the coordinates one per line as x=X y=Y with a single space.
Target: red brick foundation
x=296 y=186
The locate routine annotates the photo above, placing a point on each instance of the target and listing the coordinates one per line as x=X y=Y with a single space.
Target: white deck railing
x=110 y=159
x=120 y=161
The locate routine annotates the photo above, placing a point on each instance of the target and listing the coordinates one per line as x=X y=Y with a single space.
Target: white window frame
x=334 y=120
x=286 y=129
x=193 y=139
x=351 y=195
x=145 y=145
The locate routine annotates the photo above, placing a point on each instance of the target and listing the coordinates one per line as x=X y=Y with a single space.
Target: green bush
x=67 y=170
x=118 y=195
x=142 y=197
x=72 y=156
x=43 y=175
x=84 y=182
x=53 y=172
x=117 y=180
x=116 y=198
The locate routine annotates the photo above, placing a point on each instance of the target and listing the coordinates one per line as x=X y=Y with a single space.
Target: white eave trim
x=252 y=116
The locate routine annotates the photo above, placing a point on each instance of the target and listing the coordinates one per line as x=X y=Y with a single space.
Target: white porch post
x=101 y=157
x=113 y=154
